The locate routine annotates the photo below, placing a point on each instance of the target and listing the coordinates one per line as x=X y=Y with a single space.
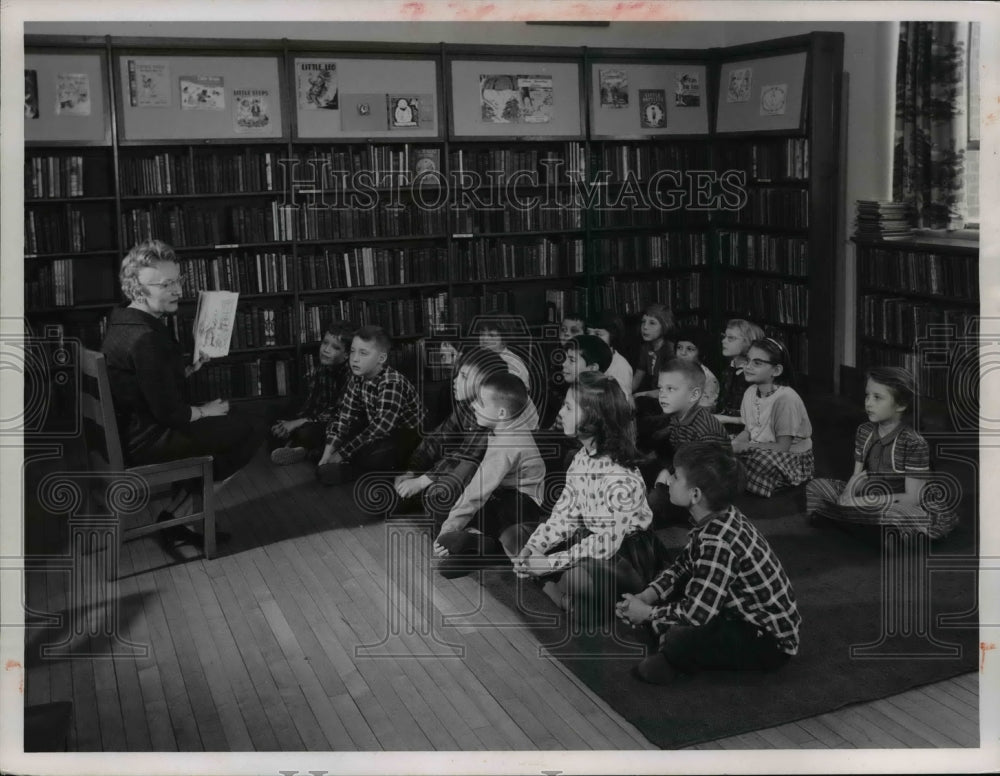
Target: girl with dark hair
x=656 y=331
x=891 y=466
x=596 y=544
x=776 y=442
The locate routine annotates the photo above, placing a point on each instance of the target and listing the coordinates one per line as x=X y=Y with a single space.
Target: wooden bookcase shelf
x=413 y=227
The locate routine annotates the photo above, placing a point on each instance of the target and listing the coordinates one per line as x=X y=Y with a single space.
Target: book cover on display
x=148 y=84
x=251 y=110
x=30 y=94
x=317 y=85
x=739 y=85
x=72 y=94
x=202 y=92
x=652 y=108
x=772 y=99
x=515 y=99
x=363 y=113
x=688 y=91
x=614 y=88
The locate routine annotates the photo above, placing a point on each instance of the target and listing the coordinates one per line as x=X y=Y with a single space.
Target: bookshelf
x=313 y=215
x=918 y=306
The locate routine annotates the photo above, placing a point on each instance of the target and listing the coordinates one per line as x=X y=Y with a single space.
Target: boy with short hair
x=690 y=346
x=725 y=602
x=379 y=420
x=571 y=325
x=685 y=420
x=304 y=436
x=506 y=489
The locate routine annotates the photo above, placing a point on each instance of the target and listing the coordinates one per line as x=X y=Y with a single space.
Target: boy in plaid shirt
x=726 y=601
x=378 y=425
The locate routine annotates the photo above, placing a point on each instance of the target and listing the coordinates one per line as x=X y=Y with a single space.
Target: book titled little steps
x=877 y=218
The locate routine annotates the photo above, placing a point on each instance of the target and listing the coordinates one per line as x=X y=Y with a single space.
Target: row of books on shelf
x=501 y=220
x=786 y=208
x=60 y=231
x=642 y=161
x=764 y=252
x=764 y=162
x=559 y=301
x=763 y=299
x=464 y=309
x=797 y=344
x=177 y=172
x=399 y=317
x=384 y=165
x=920 y=272
x=630 y=297
x=497 y=259
x=50 y=285
x=549 y=165
x=191 y=225
x=368 y=266
x=670 y=250
x=50 y=177
x=625 y=216
x=384 y=219
x=901 y=321
x=255 y=378
x=247 y=273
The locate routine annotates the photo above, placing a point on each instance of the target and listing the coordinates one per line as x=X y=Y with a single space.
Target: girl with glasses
x=736 y=342
x=775 y=445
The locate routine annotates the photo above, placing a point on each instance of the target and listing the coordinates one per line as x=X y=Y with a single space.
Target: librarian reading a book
x=147 y=370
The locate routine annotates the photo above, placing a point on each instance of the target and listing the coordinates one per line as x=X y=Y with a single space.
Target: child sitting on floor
x=891 y=465
x=494 y=332
x=506 y=487
x=610 y=328
x=655 y=330
x=681 y=385
x=725 y=602
x=690 y=346
x=378 y=425
x=291 y=441
x=776 y=444
x=597 y=538
x=736 y=342
x=449 y=455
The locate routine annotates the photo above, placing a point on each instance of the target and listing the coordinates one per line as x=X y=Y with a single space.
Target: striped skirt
x=771 y=470
x=822 y=498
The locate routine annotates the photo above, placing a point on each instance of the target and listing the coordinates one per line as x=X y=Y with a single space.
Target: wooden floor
x=256 y=650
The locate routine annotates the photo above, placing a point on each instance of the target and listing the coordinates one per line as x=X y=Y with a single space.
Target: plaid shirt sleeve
x=390 y=408
x=711 y=573
x=350 y=413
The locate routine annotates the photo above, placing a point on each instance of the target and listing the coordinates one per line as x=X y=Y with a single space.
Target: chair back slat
x=99 y=423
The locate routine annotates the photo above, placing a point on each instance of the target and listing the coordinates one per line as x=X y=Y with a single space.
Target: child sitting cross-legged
x=725 y=602
x=597 y=539
x=291 y=441
x=776 y=443
x=506 y=487
x=891 y=467
x=681 y=384
x=449 y=455
x=378 y=425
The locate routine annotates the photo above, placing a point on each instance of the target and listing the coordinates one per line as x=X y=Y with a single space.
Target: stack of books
x=884 y=219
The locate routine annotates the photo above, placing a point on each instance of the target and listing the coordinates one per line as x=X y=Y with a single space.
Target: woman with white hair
x=147 y=370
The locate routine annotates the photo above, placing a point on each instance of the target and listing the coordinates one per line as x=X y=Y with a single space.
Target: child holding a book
x=378 y=424
x=304 y=436
x=507 y=486
x=597 y=537
x=726 y=601
x=775 y=445
x=891 y=467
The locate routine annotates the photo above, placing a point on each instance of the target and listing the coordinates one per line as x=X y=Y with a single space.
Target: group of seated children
x=724 y=601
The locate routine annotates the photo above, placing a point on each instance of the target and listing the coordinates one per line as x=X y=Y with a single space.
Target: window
x=972 y=145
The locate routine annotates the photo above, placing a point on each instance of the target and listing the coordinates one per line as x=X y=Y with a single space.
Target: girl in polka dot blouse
x=599 y=527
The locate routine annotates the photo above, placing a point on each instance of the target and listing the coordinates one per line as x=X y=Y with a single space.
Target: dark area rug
x=922 y=629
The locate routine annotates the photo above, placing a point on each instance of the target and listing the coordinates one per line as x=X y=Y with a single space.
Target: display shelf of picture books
x=918 y=306
x=462 y=180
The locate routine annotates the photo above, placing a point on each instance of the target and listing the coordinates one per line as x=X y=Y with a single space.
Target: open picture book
x=213 y=323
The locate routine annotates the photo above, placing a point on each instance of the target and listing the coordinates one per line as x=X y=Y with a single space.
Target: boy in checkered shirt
x=725 y=602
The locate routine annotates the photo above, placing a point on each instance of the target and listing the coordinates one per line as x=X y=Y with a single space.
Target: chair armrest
x=178 y=467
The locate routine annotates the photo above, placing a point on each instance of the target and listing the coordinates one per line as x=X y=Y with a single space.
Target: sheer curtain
x=931 y=122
